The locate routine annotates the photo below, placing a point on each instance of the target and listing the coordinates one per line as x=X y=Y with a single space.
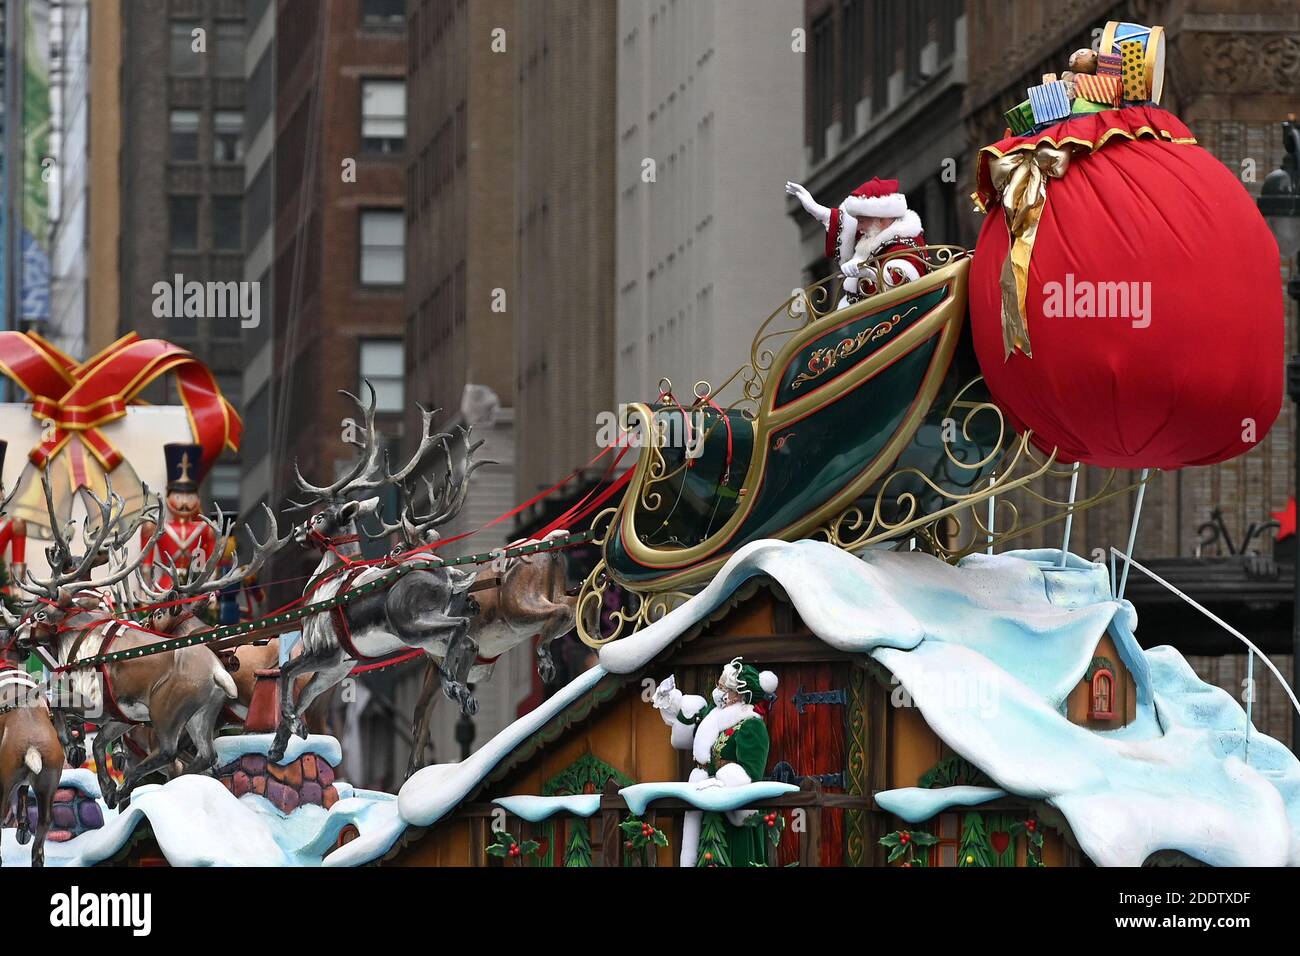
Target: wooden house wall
x=869 y=739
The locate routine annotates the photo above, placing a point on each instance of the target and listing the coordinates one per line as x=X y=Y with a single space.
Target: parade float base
x=1178 y=777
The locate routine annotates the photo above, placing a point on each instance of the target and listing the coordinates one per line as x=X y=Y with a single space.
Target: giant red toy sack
x=1125 y=297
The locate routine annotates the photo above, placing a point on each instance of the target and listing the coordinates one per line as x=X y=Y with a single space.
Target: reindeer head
x=69 y=589
x=338 y=519
x=179 y=602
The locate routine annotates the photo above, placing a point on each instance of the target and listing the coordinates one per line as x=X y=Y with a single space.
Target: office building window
x=823 y=83
x=227 y=222
x=228 y=52
x=184 y=60
x=854 y=35
x=383 y=116
x=185 y=135
x=183 y=222
x=381 y=364
x=228 y=136
x=390 y=13
x=383 y=247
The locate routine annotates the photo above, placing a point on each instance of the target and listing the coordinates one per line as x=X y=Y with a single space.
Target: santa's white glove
x=667 y=697
x=851 y=269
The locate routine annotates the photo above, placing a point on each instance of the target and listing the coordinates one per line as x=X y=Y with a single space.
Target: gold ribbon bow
x=1021 y=181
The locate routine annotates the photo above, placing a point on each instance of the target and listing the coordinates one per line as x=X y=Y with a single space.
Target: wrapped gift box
x=1049 y=102
x=1020 y=118
x=1104 y=90
x=1133 y=58
x=1108 y=64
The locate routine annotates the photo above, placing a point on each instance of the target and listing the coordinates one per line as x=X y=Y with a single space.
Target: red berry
x=904 y=837
x=1031 y=825
x=628 y=844
x=907 y=864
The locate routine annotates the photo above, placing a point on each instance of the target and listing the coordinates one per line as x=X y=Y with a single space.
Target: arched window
x=1103 y=695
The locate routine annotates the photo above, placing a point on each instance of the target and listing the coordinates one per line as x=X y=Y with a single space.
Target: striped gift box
x=1108 y=64
x=1098 y=89
x=1020 y=118
x=1049 y=102
x=1133 y=60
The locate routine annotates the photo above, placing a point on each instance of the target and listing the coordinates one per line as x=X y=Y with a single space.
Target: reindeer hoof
x=469 y=705
x=300 y=728
x=76 y=755
x=546 y=669
x=24 y=835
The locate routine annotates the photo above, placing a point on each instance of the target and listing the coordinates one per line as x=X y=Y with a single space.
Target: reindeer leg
x=169 y=736
x=325 y=677
x=46 y=785
x=21 y=822
x=462 y=652
x=288 y=710
x=104 y=738
x=423 y=710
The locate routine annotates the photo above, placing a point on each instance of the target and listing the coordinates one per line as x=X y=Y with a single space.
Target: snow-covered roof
x=989 y=650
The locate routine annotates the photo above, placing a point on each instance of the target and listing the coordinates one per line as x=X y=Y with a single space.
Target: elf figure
x=729 y=742
x=873 y=221
x=186 y=541
x=13 y=538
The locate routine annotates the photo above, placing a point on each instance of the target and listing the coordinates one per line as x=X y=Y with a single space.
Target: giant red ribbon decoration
x=77 y=398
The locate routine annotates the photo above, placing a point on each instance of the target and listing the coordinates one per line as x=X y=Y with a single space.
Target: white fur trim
x=908 y=226
x=692 y=704
x=848 y=236
x=714 y=723
x=33 y=760
x=899 y=271
x=733 y=775
x=883 y=207
x=768 y=681
x=681 y=736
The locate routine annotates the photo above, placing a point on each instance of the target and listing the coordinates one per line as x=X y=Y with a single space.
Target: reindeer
x=175 y=608
x=516 y=598
x=426 y=608
x=30 y=755
x=178 y=692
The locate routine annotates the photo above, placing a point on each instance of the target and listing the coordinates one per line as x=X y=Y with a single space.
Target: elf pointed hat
x=877 y=198
x=748 y=681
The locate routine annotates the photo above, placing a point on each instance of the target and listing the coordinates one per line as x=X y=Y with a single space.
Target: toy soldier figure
x=873 y=221
x=13 y=538
x=729 y=741
x=187 y=541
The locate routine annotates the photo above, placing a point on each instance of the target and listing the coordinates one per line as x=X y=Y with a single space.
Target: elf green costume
x=729 y=742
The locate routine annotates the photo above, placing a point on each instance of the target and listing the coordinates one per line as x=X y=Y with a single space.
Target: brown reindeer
x=518 y=598
x=30 y=755
x=179 y=692
x=176 y=608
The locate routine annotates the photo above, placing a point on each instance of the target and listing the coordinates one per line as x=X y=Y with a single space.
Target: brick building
x=182 y=178
x=326 y=192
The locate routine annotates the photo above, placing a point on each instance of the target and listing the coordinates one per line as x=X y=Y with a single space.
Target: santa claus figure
x=870 y=232
x=729 y=742
x=187 y=541
x=13 y=538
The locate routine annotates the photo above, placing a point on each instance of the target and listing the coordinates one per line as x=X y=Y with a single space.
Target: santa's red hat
x=877 y=198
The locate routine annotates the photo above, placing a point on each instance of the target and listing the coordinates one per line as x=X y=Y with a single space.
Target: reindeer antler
x=112 y=513
x=447 y=497
x=359 y=477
